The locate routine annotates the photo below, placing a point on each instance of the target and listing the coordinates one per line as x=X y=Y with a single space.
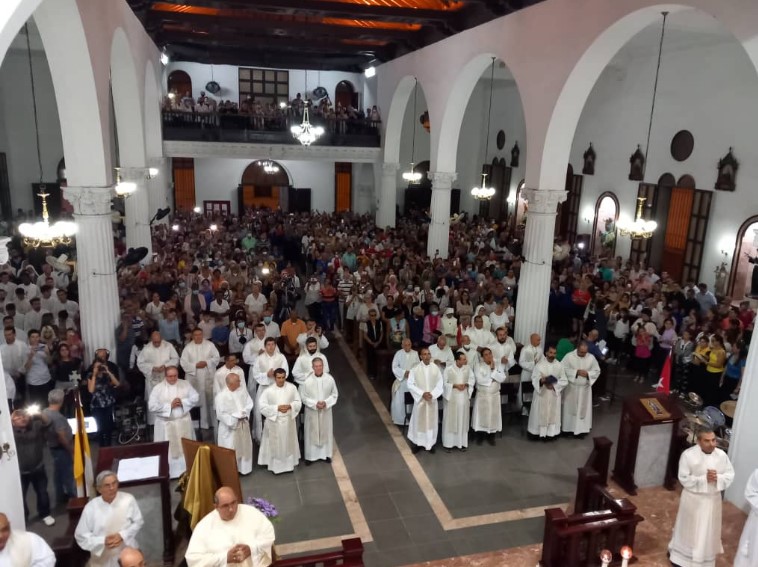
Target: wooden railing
x=67 y=552
x=599 y=521
x=351 y=555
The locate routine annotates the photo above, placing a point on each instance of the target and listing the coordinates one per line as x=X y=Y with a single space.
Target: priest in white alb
x=23 y=549
x=549 y=381
x=152 y=361
x=319 y=395
x=304 y=364
x=233 y=534
x=425 y=385
x=442 y=355
x=233 y=407
x=170 y=403
x=529 y=356
x=581 y=370
x=229 y=367
x=108 y=523
x=481 y=338
x=280 y=404
x=487 y=418
x=747 y=551
x=704 y=472
x=263 y=372
x=459 y=383
x=402 y=363
x=199 y=360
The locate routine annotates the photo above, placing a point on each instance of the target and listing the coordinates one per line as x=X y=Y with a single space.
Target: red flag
x=664 y=384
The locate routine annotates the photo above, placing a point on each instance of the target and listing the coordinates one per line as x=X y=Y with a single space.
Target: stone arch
x=394 y=123
x=127 y=102
x=13 y=15
x=739 y=286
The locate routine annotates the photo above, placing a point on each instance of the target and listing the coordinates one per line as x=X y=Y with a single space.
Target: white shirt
x=40 y=554
x=255 y=304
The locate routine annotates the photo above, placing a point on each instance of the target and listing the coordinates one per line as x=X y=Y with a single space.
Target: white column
x=743 y=448
x=439 y=211
x=96 y=267
x=534 y=280
x=385 y=214
x=159 y=187
x=137 y=215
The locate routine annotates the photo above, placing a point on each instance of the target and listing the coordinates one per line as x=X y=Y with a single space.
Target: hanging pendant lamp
x=484 y=192
x=305 y=133
x=412 y=176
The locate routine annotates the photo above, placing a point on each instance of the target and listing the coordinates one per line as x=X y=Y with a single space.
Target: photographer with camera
x=102 y=380
x=29 y=432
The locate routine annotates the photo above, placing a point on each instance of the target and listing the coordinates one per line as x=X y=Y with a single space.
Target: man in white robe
x=530 y=355
x=315 y=331
x=459 y=383
x=23 y=549
x=233 y=407
x=319 y=395
x=402 y=363
x=229 y=367
x=233 y=534
x=472 y=357
x=449 y=328
x=263 y=372
x=581 y=370
x=250 y=353
x=442 y=356
x=15 y=354
x=481 y=338
x=304 y=364
x=199 y=360
x=487 y=418
x=280 y=404
x=747 y=551
x=425 y=385
x=170 y=402
x=549 y=381
x=152 y=361
x=704 y=472
x=108 y=523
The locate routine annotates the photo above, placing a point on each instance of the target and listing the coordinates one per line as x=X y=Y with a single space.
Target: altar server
x=23 y=549
x=280 y=405
x=233 y=407
x=304 y=364
x=199 y=360
x=402 y=363
x=263 y=372
x=549 y=381
x=319 y=395
x=459 y=383
x=425 y=385
x=582 y=370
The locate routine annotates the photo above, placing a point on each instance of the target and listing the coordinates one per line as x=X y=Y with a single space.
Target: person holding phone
x=102 y=380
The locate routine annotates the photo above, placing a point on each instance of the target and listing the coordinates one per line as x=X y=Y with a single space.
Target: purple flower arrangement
x=264 y=506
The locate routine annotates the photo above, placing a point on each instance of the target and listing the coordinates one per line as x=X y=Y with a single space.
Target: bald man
x=130 y=557
x=23 y=549
x=233 y=534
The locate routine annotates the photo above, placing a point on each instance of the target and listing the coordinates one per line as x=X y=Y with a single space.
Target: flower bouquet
x=264 y=506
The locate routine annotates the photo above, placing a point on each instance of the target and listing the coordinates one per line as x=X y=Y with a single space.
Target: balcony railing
x=256 y=129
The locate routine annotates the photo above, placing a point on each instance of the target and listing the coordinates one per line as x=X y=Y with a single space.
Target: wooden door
x=698 y=230
x=257 y=196
x=343 y=187
x=640 y=250
x=677 y=228
x=184 y=184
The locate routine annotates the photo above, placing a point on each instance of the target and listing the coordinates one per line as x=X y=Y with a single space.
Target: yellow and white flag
x=83 y=471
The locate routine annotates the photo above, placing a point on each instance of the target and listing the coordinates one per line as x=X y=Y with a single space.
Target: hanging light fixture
x=42 y=234
x=305 y=133
x=123 y=188
x=412 y=176
x=485 y=192
x=270 y=167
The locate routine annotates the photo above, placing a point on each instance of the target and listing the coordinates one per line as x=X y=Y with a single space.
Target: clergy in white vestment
x=425 y=385
x=170 y=402
x=458 y=386
x=152 y=361
x=313 y=330
x=233 y=534
x=481 y=338
x=472 y=357
x=304 y=364
x=704 y=472
x=747 y=551
x=280 y=404
x=549 y=381
x=23 y=549
x=131 y=557
x=530 y=355
x=449 y=328
x=402 y=363
x=487 y=418
x=108 y=523
x=229 y=366
x=250 y=353
x=581 y=370
x=233 y=407
x=263 y=372
x=319 y=395
x=481 y=311
x=199 y=360
x=503 y=350
x=442 y=355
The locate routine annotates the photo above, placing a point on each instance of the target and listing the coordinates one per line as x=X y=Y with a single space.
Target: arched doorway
x=345 y=95
x=520 y=209
x=179 y=83
x=740 y=280
x=263 y=184
x=604 y=227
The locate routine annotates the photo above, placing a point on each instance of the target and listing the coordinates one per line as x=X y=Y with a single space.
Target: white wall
x=407 y=151
x=710 y=89
x=17 y=138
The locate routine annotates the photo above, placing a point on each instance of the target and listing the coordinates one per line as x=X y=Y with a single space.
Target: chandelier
x=639 y=227
x=42 y=233
x=483 y=192
x=412 y=176
x=306 y=133
x=123 y=188
x=270 y=167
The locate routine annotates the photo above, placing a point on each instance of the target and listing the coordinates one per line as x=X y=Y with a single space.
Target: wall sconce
x=6 y=451
x=197 y=210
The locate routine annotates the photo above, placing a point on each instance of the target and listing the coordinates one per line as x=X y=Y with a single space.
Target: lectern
x=646 y=452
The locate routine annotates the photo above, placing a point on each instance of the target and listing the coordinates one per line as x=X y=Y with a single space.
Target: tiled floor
x=409 y=509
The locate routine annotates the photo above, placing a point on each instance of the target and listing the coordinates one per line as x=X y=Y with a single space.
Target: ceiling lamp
x=412 y=176
x=305 y=133
x=485 y=192
x=270 y=167
x=42 y=233
x=639 y=227
x=123 y=188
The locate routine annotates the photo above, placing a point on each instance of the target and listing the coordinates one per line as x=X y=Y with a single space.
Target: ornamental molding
x=173 y=148
x=442 y=180
x=543 y=201
x=90 y=200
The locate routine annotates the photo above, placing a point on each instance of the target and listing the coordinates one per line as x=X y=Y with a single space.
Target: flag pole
x=81 y=430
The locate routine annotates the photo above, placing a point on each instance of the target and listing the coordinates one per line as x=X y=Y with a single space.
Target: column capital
x=442 y=179
x=90 y=200
x=390 y=168
x=543 y=201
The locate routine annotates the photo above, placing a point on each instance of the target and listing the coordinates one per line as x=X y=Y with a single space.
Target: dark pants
x=63 y=474
x=314 y=311
x=38 y=479
x=38 y=394
x=370 y=360
x=330 y=314
x=104 y=419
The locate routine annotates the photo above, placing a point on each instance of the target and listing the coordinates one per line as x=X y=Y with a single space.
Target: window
x=267 y=86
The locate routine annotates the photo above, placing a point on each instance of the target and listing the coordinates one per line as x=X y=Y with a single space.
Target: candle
x=626 y=555
x=606 y=557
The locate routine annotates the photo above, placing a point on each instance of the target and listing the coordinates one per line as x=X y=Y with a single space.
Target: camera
x=242 y=340
x=32 y=410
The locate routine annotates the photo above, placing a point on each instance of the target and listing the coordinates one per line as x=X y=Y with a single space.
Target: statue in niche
x=728 y=166
x=424 y=119
x=515 y=153
x=754 y=279
x=608 y=236
x=637 y=168
x=589 y=161
x=722 y=276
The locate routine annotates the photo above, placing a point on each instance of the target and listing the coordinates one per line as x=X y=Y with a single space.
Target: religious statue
x=589 y=161
x=754 y=279
x=515 y=153
x=722 y=276
x=637 y=167
x=727 y=167
x=608 y=236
